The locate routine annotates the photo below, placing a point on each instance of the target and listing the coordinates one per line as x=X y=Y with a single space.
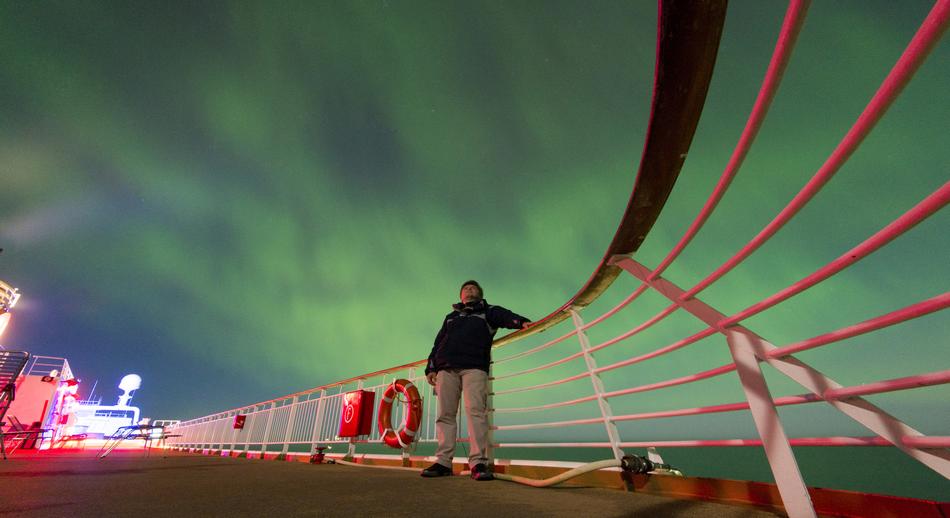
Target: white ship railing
x=310 y=418
x=44 y=365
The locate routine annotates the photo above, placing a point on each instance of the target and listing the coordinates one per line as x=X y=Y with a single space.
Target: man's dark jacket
x=464 y=342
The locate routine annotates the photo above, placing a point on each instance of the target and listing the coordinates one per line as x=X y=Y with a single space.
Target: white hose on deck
x=580 y=470
x=348 y=463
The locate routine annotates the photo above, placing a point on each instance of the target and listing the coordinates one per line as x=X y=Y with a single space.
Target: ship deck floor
x=128 y=483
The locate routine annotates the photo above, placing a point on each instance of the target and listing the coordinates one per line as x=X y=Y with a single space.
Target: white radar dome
x=130 y=382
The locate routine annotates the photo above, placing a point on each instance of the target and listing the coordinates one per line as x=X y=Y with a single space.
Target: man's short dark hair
x=481 y=292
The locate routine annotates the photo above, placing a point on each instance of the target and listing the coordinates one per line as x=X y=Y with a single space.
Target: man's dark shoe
x=480 y=472
x=436 y=470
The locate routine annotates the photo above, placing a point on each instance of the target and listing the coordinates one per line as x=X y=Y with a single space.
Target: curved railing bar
x=682 y=343
x=540 y=367
x=705 y=333
x=718 y=371
x=551 y=424
x=892 y=385
x=656 y=318
x=912 y=441
x=877 y=387
x=623 y=303
x=926 y=442
x=536 y=349
x=687 y=45
x=926 y=208
x=669 y=310
x=575 y=377
x=908 y=440
x=539 y=407
x=911 y=312
x=587 y=374
x=920 y=45
x=715 y=409
x=714 y=443
x=791 y=27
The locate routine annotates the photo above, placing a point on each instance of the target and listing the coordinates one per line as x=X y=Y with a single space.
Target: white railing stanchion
x=251 y=417
x=490 y=417
x=788 y=478
x=290 y=425
x=270 y=418
x=318 y=421
x=654 y=455
x=405 y=451
x=205 y=432
x=613 y=434
x=234 y=432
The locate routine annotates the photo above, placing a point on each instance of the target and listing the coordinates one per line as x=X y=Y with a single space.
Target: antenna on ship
x=93 y=390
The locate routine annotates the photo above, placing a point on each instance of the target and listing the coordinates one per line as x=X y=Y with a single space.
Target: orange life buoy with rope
x=404 y=436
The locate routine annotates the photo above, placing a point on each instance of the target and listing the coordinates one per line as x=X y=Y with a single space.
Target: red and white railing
x=311 y=417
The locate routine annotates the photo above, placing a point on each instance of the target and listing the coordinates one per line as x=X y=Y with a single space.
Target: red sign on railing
x=356 y=417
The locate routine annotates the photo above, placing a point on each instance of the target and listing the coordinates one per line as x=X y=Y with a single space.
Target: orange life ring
x=406 y=435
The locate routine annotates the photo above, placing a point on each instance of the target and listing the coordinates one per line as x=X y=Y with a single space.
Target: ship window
x=127 y=414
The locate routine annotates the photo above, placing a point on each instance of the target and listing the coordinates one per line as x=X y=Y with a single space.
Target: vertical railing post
x=405 y=451
x=199 y=433
x=270 y=418
x=214 y=435
x=654 y=455
x=778 y=450
x=210 y=437
x=288 y=434
x=490 y=403
x=318 y=422
x=234 y=432
x=252 y=416
x=612 y=433
x=196 y=437
x=205 y=431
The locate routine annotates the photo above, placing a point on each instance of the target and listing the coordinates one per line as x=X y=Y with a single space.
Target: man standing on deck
x=458 y=365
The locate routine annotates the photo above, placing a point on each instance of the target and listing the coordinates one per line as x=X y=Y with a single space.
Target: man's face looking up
x=470 y=293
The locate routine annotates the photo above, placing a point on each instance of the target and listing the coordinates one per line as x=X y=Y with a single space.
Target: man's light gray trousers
x=473 y=385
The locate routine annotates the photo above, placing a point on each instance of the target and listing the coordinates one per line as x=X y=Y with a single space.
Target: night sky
x=240 y=200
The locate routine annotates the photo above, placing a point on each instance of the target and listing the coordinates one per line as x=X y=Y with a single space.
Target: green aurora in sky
x=241 y=200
